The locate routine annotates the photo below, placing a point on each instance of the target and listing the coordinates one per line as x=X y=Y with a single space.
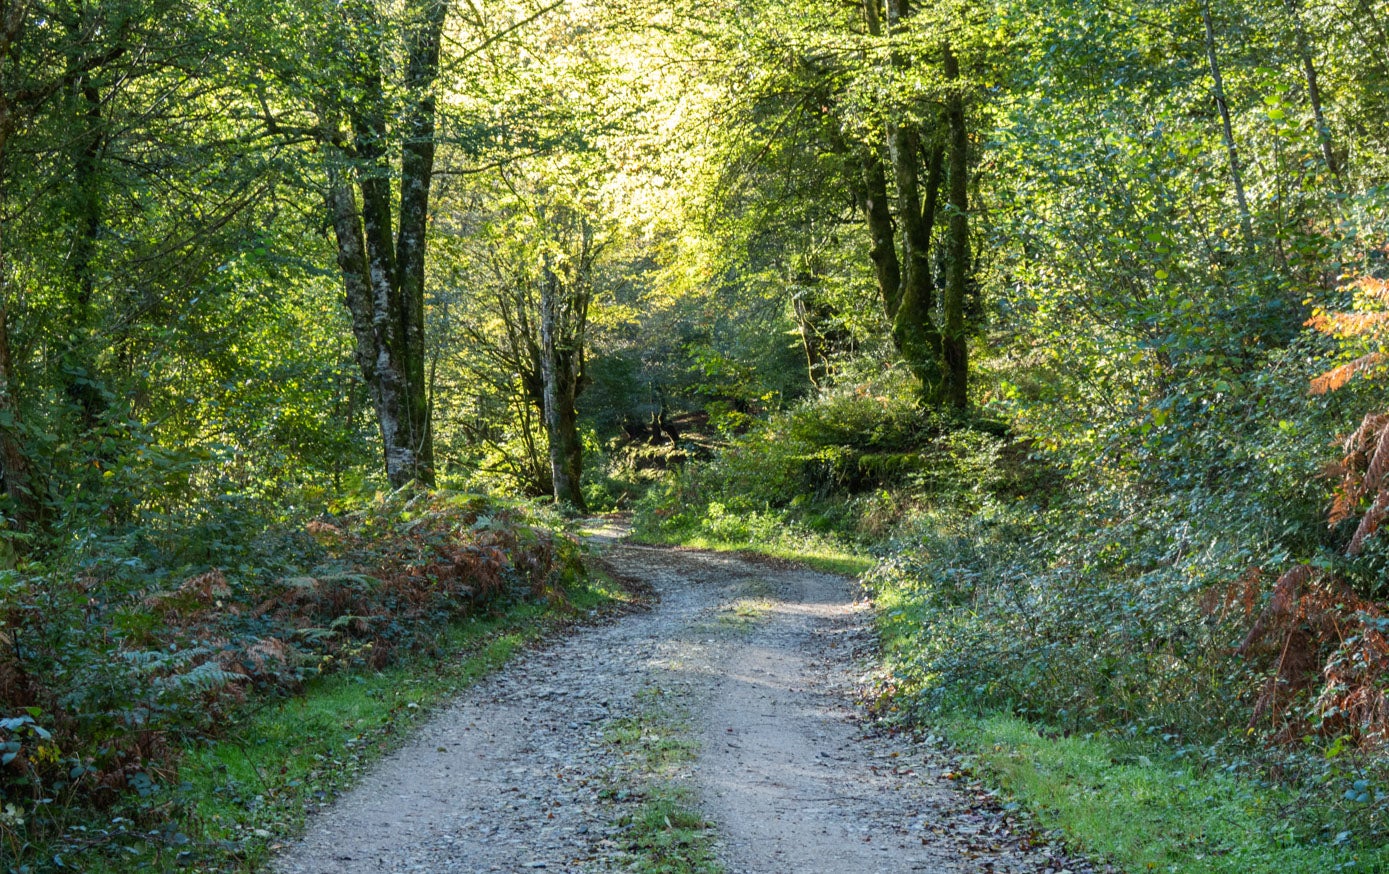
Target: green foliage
x=627 y=471
x=115 y=662
x=836 y=463
x=181 y=390
x=1116 y=607
x=1011 y=607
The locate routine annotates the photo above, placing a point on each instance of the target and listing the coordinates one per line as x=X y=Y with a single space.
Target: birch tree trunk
x=382 y=259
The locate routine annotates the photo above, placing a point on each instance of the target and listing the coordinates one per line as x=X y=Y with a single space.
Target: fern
x=193 y=670
x=1316 y=631
x=205 y=677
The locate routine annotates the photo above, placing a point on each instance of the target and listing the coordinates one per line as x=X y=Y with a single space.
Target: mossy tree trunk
x=929 y=332
x=382 y=255
x=562 y=379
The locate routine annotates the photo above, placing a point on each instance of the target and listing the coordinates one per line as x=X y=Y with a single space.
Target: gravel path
x=517 y=775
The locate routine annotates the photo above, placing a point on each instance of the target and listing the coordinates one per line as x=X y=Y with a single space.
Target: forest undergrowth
x=1069 y=317
x=140 y=674
x=1109 y=632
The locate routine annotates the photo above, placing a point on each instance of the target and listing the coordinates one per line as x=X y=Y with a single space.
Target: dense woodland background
x=1073 y=314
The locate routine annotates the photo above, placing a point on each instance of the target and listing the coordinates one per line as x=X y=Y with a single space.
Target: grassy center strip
x=660 y=830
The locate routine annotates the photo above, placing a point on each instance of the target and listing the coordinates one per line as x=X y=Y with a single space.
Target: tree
x=927 y=141
x=532 y=264
x=84 y=92
x=381 y=248
x=891 y=91
x=566 y=292
x=13 y=19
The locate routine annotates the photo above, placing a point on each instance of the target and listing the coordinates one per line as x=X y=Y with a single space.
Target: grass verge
x=1149 y=811
x=242 y=796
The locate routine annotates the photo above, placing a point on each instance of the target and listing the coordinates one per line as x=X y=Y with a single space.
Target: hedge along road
x=754 y=668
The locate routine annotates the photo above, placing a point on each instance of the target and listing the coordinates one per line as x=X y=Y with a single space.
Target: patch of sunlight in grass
x=1149 y=814
x=820 y=556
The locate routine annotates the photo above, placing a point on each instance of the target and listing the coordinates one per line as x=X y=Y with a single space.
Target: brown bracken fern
x=1318 y=641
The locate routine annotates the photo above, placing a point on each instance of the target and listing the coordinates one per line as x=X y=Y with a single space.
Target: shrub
x=110 y=664
x=833 y=460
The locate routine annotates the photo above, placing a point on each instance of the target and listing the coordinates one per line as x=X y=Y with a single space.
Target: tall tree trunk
x=571 y=447
x=81 y=381
x=881 y=229
x=369 y=303
x=1309 y=70
x=872 y=197
x=914 y=328
x=15 y=477
x=425 y=27
x=558 y=392
x=913 y=324
x=956 y=341
x=383 y=259
x=901 y=250
x=1236 y=169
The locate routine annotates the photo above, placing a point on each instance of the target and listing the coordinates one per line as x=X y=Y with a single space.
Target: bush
x=853 y=460
x=1002 y=609
x=111 y=664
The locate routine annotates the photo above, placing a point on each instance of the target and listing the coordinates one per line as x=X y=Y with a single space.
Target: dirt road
x=522 y=773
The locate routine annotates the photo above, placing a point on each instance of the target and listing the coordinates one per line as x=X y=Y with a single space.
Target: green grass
x=244 y=794
x=667 y=836
x=1149 y=812
x=664 y=833
x=1135 y=804
x=744 y=613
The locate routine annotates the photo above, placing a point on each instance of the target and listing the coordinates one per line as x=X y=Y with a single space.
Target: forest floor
x=730 y=705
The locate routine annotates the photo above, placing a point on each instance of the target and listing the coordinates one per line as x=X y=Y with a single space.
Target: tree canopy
x=1118 y=262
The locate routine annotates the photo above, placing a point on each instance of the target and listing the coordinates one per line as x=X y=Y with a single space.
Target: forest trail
x=756 y=665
